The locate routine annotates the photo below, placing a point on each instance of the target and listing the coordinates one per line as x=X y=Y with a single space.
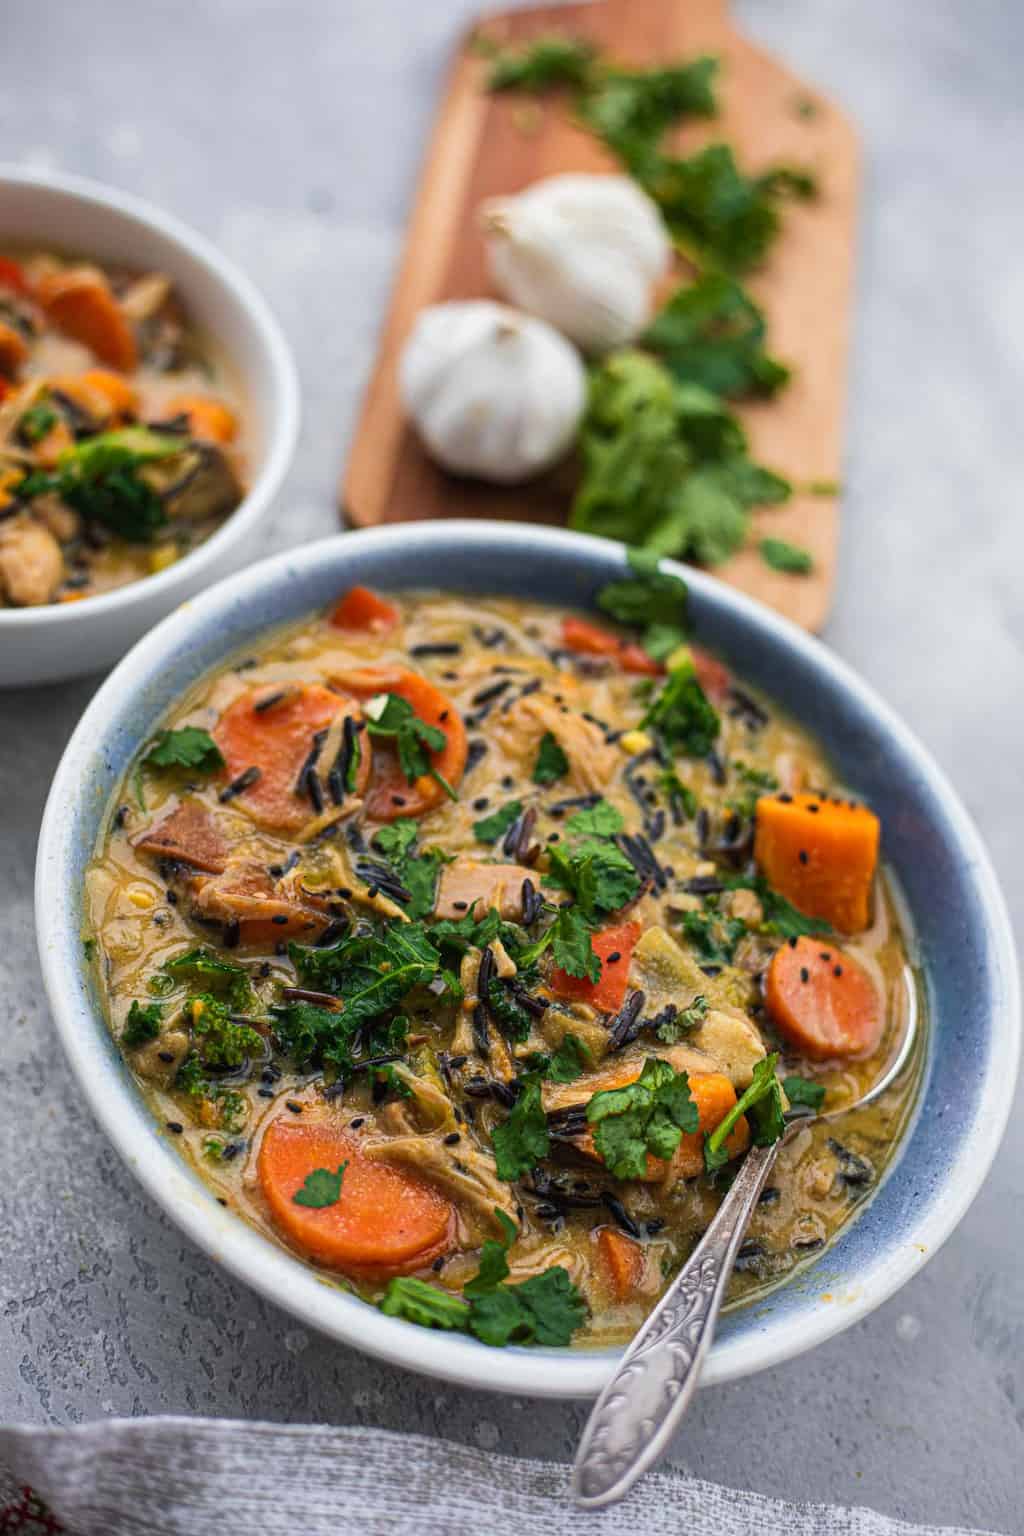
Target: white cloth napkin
x=195 y=1477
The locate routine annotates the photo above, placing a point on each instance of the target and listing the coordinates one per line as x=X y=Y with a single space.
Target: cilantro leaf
x=600 y=820
x=545 y=1309
x=36 y=422
x=712 y=333
x=101 y=478
x=569 y=1062
x=493 y=1261
x=552 y=763
x=648 y=1116
x=762 y=1103
x=802 y=1090
x=542 y=66
x=428 y=1305
x=631 y=110
x=190 y=747
x=780 y=917
x=572 y=948
x=599 y=875
x=521 y=1141
x=782 y=556
x=321 y=1188
x=392 y=718
x=418 y=874
x=682 y=715
x=653 y=600
x=397 y=839
x=490 y=828
x=142 y=1024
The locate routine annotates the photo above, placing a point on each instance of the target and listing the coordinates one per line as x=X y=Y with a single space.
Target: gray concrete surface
x=290 y=132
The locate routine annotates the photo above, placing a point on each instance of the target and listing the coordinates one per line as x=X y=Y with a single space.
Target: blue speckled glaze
x=966 y=947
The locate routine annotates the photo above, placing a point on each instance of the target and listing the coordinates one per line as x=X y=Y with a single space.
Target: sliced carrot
x=822 y=1001
x=386 y=1220
x=712 y=674
x=12 y=276
x=614 y=948
x=208 y=419
x=820 y=854
x=80 y=302
x=101 y=392
x=277 y=740
x=360 y=608
x=13 y=349
x=589 y=639
x=390 y=794
x=623 y=1259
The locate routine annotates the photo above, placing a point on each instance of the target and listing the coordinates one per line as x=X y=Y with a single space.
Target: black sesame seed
x=837 y=970
x=295 y=1108
x=805 y=974
x=265 y=1093
x=452 y=1139
x=802 y=855
x=175 y=1126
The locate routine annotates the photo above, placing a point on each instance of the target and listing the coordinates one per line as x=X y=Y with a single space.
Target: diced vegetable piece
x=80 y=302
x=13 y=350
x=593 y=640
x=189 y=835
x=614 y=948
x=822 y=1001
x=275 y=736
x=820 y=854
x=385 y=1221
x=208 y=419
x=624 y=1261
x=103 y=394
x=12 y=276
x=365 y=610
x=391 y=795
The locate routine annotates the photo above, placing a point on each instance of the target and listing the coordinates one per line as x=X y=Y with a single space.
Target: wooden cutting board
x=484 y=145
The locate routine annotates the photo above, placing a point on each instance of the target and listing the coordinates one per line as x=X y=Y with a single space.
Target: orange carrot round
x=614 y=948
x=822 y=1001
x=391 y=795
x=362 y=609
x=80 y=302
x=386 y=1220
x=277 y=739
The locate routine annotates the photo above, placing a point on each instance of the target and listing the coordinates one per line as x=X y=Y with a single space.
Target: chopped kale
x=490 y=828
x=142 y=1024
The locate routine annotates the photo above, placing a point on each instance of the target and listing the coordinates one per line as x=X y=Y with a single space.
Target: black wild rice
x=240 y=785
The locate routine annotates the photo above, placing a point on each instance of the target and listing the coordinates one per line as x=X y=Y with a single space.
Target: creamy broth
x=431 y=1109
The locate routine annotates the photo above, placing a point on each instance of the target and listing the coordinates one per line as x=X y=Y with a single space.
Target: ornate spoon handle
x=640 y=1407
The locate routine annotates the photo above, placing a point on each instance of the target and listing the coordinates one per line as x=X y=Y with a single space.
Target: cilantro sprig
x=648 y=1116
x=761 y=1103
x=681 y=713
x=321 y=1188
x=392 y=718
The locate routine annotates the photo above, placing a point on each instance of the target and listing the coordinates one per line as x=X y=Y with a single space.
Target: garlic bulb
x=582 y=252
x=494 y=393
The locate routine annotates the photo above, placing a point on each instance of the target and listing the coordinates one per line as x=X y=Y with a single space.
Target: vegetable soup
x=121 y=438
x=465 y=946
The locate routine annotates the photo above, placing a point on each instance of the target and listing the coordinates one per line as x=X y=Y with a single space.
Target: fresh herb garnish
x=782 y=556
x=37 y=422
x=779 y=916
x=522 y=1141
x=142 y=1024
x=645 y=1117
x=419 y=1302
x=545 y=65
x=681 y=713
x=490 y=828
x=569 y=1062
x=712 y=333
x=321 y=1188
x=221 y=1040
x=392 y=718
x=417 y=872
x=546 y=1309
x=190 y=747
x=713 y=936
x=683 y=1023
x=651 y=600
x=593 y=868
x=552 y=763
x=102 y=479
x=571 y=946
x=761 y=1103
x=493 y=1259
x=802 y=1090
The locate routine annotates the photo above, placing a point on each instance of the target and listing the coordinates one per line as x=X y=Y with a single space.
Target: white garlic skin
x=583 y=253
x=493 y=393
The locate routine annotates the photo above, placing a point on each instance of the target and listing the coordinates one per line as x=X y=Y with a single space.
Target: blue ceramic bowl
x=958 y=911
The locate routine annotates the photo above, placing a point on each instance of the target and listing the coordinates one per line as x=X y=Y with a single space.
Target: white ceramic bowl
x=964 y=937
x=39 y=645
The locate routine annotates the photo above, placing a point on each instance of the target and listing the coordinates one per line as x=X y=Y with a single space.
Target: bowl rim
x=283 y=413
x=286 y=1280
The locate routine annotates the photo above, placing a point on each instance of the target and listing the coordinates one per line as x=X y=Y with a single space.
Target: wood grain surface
x=486 y=145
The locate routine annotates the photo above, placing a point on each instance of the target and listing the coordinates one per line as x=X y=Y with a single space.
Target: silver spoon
x=641 y=1406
